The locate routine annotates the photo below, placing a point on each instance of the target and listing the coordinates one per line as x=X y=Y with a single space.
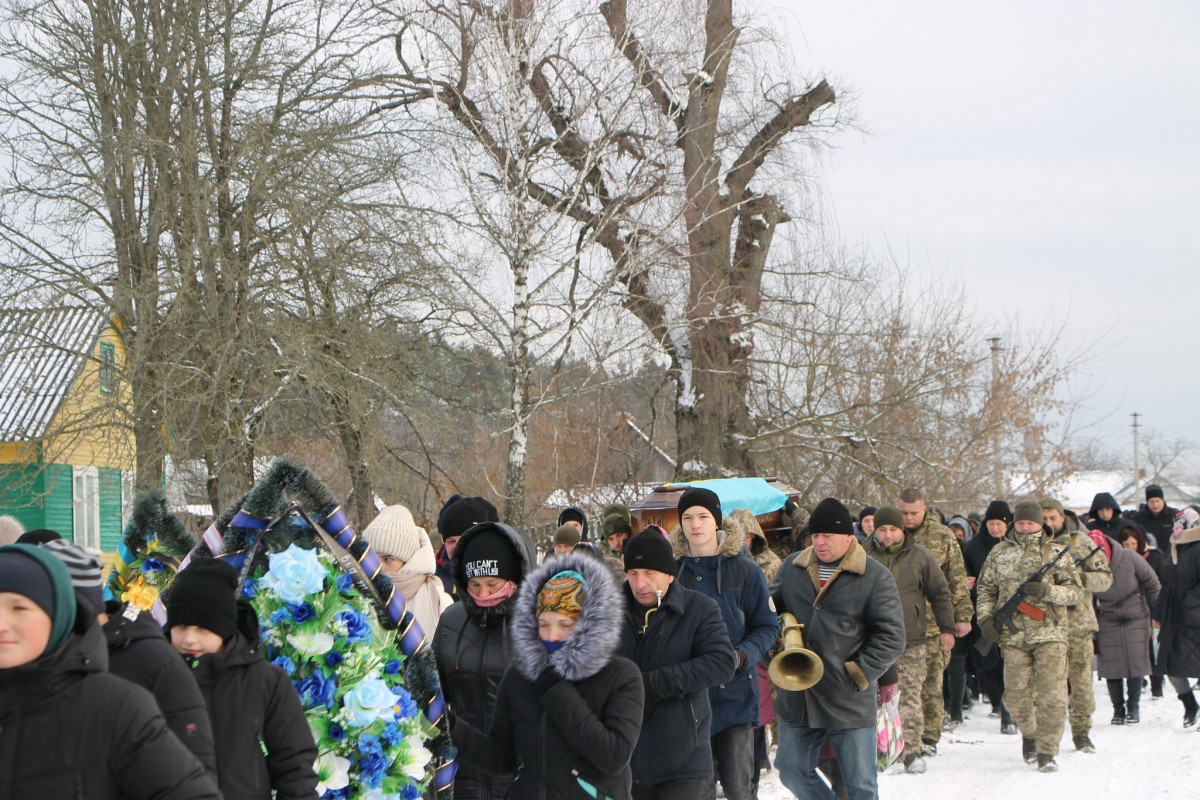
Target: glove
x=547 y=680
x=653 y=694
x=887 y=692
x=1036 y=590
x=989 y=630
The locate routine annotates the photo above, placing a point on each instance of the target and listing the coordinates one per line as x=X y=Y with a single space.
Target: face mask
x=507 y=591
x=553 y=647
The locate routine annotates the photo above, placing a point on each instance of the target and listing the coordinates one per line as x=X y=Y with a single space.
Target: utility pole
x=1137 y=471
x=997 y=475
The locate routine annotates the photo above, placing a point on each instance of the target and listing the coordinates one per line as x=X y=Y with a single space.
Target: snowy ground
x=1156 y=758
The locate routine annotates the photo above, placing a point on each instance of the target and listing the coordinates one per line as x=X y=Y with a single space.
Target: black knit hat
x=830 y=516
x=204 y=595
x=450 y=501
x=998 y=509
x=490 y=553
x=1154 y=490
x=38 y=536
x=649 y=550
x=615 y=523
x=466 y=513
x=868 y=511
x=697 y=496
x=21 y=574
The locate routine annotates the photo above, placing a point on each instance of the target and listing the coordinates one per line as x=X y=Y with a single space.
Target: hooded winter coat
x=570 y=722
x=854 y=623
x=264 y=746
x=738 y=586
x=138 y=652
x=1123 y=610
x=1112 y=526
x=70 y=729
x=683 y=650
x=473 y=649
x=1179 y=607
x=921 y=585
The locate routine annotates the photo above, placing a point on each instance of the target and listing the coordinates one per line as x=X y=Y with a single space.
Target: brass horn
x=795 y=668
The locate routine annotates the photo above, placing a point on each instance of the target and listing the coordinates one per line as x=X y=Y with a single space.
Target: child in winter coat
x=569 y=709
x=67 y=727
x=262 y=738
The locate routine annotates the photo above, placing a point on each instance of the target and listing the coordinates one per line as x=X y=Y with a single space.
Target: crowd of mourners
x=614 y=663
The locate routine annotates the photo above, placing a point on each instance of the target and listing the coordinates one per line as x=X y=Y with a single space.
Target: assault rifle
x=1018 y=602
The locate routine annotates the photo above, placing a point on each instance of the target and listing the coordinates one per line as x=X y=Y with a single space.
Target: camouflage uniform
x=1035 y=657
x=911 y=667
x=937 y=539
x=1082 y=626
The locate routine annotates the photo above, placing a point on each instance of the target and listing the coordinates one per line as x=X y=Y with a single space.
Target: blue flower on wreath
x=317 y=689
x=410 y=792
x=284 y=663
x=337 y=794
x=408 y=706
x=250 y=588
x=333 y=658
x=279 y=617
x=302 y=613
x=392 y=735
x=392 y=667
x=345 y=583
x=369 y=744
x=294 y=574
x=372 y=769
x=336 y=732
x=152 y=565
x=358 y=627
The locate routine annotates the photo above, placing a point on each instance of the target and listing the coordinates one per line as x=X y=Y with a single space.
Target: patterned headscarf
x=563 y=594
x=1187 y=517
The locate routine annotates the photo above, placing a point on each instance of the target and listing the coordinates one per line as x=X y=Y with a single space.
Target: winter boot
x=1116 y=693
x=1132 y=713
x=1045 y=763
x=914 y=764
x=928 y=748
x=1156 y=686
x=1028 y=749
x=1083 y=744
x=1007 y=726
x=1190 y=709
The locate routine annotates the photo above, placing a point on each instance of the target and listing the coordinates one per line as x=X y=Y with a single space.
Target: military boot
x=1083 y=744
x=1045 y=763
x=1028 y=749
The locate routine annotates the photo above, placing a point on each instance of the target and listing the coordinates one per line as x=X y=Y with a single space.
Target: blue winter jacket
x=738 y=586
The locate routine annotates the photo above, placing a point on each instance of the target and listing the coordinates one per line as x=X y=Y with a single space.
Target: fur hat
x=889 y=515
x=566 y=534
x=394 y=533
x=699 y=496
x=204 y=595
x=85 y=569
x=998 y=509
x=830 y=516
x=649 y=550
x=1030 y=511
x=466 y=513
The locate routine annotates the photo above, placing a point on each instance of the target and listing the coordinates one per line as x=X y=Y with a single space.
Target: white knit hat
x=393 y=533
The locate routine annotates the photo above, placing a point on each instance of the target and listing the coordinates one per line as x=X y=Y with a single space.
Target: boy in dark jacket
x=709 y=561
x=678 y=640
x=262 y=738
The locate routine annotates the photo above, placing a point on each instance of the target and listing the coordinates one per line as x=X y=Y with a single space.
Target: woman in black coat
x=569 y=710
x=67 y=727
x=472 y=643
x=1179 y=611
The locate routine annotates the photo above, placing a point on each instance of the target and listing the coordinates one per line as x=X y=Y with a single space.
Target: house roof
x=41 y=353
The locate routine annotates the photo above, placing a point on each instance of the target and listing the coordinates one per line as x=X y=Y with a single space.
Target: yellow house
x=66 y=443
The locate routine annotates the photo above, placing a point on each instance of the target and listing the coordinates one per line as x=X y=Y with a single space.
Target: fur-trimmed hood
x=597 y=635
x=731 y=537
x=525 y=549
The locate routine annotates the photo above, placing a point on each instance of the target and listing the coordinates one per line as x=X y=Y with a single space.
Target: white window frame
x=85 y=496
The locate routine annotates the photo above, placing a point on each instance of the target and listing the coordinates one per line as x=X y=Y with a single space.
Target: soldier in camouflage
x=1081 y=618
x=921 y=584
x=1035 y=657
x=925 y=530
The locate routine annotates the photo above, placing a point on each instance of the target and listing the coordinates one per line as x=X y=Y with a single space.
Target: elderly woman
x=569 y=709
x=1123 y=611
x=67 y=727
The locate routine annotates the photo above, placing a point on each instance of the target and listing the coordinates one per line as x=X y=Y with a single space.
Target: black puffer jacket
x=255 y=709
x=68 y=729
x=854 y=623
x=473 y=650
x=563 y=726
x=683 y=651
x=138 y=652
x=1179 y=608
x=1158 y=526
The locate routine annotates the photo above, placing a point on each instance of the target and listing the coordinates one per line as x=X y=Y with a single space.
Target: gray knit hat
x=394 y=533
x=87 y=573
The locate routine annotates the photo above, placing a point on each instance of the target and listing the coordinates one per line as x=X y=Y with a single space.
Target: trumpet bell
x=796 y=670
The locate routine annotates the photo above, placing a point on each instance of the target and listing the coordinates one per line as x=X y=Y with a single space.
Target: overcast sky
x=1047 y=156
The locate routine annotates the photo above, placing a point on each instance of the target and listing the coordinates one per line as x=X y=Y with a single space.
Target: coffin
x=764 y=496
